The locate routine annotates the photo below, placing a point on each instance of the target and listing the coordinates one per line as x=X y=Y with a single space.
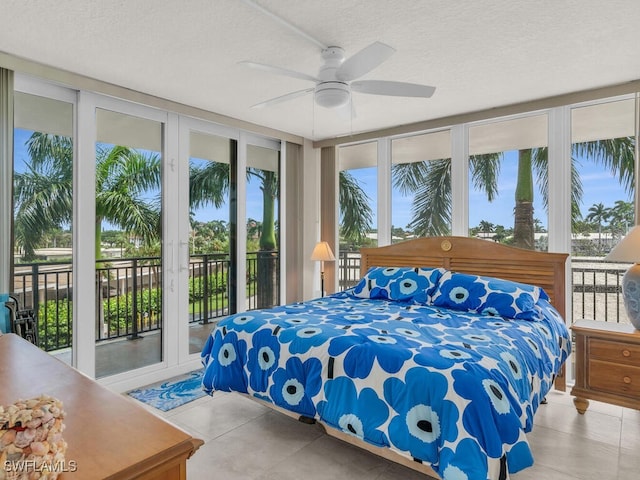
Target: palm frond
x=208 y=184
x=355 y=209
x=484 y=170
x=407 y=177
x=616 y=154
x=431 y=209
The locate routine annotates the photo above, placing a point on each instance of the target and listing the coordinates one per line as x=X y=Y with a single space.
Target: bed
x=438 y=359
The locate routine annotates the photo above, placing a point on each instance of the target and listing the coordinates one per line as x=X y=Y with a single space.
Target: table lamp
x=322 y=253
x=628 y=251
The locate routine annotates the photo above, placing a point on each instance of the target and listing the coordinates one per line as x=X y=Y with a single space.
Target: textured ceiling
x=478 y=54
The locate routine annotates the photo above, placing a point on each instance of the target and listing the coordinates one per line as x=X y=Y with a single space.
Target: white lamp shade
x=322 y=252
x=628 y=250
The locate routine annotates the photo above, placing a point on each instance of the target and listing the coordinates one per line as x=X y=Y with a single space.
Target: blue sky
x=598 y=186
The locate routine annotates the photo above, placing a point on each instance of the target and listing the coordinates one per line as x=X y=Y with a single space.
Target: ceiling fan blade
x=279 y=70
x=396 y=89
x=364 y=61
x=283 y=98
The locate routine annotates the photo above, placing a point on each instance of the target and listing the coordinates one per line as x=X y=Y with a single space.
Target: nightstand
x=607 y=361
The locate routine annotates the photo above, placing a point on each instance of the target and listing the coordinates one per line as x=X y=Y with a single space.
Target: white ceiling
x=479 y=54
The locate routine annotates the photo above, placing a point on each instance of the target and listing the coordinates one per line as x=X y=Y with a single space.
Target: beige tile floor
x=247 y=441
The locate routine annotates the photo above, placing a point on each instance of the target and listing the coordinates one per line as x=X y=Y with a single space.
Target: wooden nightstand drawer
x=614 y=351
x=607 y=364
x=616 y=379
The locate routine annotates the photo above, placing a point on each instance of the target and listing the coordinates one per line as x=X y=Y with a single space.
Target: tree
x=621 y=217
x=430 y=184
x=356 y=213
x=486 y=226
x=523 y=232
x=123 y=177
x=43 y=194
x=598 y=214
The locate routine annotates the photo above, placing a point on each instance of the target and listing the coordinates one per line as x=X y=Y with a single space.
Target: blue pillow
x=405 y=284
x=489 y=296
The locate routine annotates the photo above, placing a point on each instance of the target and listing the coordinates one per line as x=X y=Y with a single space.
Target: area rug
x=171 y=393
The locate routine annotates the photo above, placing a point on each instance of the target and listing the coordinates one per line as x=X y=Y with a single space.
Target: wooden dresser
x=607 y=359
x=109 y=436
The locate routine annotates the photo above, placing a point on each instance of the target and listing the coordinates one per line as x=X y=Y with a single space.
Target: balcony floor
x=117 y=356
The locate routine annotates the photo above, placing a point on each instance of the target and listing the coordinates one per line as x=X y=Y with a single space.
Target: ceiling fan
x=338 y=77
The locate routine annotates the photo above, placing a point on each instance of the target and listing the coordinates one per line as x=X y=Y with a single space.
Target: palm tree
x=621 y=218
x=356 y=214
x=598 y=214
x=44 y=192
x=430 y=183
x=486 y=226
x=43 y=198
x=123 y=177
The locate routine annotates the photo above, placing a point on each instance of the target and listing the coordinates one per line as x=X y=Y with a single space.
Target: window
x=603 y=165
x=508 y=178
x=43 y=217
x=263 y=235
x=358 y=195
x=421 y=186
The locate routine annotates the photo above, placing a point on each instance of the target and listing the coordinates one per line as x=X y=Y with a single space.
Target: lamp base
x=631 y=294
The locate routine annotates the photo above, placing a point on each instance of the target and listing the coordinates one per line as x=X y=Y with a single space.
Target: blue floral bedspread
x=453 y=389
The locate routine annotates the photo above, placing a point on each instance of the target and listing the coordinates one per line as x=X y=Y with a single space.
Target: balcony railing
x=130 y=293
x=597 y=290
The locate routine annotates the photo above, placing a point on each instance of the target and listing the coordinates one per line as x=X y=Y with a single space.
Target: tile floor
x=247 y=441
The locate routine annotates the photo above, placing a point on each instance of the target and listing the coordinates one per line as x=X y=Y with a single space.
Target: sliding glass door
x=228 y=258
x=128 y=242
x=212 y=227
x=263 y=233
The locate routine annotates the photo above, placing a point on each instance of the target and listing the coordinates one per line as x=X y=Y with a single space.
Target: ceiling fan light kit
x=332 y=94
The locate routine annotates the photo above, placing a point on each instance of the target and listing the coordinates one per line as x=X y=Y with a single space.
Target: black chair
x=23 y=321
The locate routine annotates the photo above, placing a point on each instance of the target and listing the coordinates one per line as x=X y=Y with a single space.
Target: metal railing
x=348 y=269
x=129 y=297
x=209 y=287
x=52 y=305
x=597 y=286
x=130 y=293
x=597 y=290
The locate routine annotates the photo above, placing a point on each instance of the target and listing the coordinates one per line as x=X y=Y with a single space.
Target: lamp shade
x=322 y=252
x=628 y=250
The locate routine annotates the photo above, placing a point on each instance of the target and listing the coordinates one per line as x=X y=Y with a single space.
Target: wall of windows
x=561 y=179
x=156 y=250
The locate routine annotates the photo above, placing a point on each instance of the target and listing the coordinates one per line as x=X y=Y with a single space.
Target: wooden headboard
x=479 y=257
